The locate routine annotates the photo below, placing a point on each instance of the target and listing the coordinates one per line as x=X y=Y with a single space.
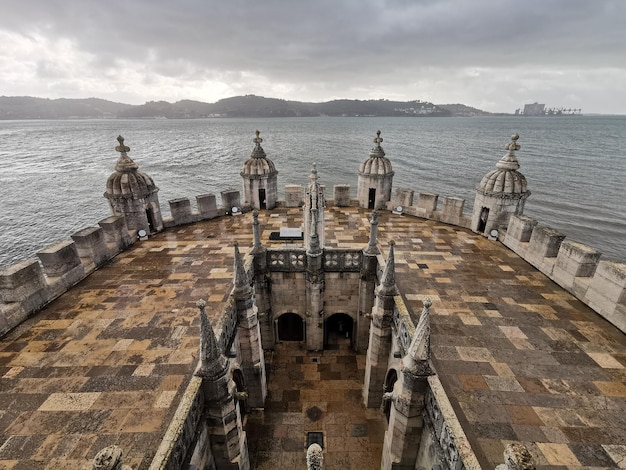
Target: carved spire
x=242 y=286
x=212 y=362
x=124 y=163
x=417 y=359
x=387 y=285
x=372 y=247
x=256 y=231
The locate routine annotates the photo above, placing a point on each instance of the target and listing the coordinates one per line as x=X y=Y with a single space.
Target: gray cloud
x=495 y=53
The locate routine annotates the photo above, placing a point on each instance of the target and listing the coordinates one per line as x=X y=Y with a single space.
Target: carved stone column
x=262 y=286
x=367 y=286
x=314 y=291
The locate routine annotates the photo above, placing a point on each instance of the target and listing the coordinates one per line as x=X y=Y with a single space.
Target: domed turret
x=133 y=194
x=501 y=193
x=259 y=175
x=375 y=178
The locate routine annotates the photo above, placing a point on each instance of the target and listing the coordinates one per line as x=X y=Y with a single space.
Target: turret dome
x=505 y=179
x=258 y=165
x=127 y=181
x=377 y=163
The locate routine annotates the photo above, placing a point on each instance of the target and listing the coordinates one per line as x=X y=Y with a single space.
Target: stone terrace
x=521 y=359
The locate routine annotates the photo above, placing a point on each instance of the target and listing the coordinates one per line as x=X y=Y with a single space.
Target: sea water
x=53 y=173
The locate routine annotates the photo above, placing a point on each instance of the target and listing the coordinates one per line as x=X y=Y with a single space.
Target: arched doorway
x=339 y=330
x=262 y=200
x=482 y=221
x=150 y=217
x=290 y=327
x=371 y=200
x=390 y=381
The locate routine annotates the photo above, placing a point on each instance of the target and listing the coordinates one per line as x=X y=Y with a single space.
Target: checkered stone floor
x=521 y=359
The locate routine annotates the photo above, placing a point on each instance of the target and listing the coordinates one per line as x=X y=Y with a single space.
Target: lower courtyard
x=311 y=393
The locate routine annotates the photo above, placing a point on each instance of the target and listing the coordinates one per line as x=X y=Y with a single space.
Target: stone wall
x=601 y=284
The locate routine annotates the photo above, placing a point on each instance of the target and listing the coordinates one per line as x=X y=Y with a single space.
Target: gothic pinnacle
x=388 y=281
x=241 y=278
x=212 y=363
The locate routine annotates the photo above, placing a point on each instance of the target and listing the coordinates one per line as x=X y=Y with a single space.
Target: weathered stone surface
x=21 y=280
x=181 y=211
x=342 y=195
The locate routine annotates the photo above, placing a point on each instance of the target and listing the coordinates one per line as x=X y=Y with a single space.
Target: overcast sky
x=492 y=54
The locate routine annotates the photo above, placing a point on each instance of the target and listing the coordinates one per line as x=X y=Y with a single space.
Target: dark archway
x=371 y=200
x=262 y=200
x=150 y=217
x=482 y=221
x=290 y=327
x=390 y=381
x=339 y=329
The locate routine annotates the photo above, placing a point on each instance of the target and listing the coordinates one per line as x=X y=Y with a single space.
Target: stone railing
x=601 y=284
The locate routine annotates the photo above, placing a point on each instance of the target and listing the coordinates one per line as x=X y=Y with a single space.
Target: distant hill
x=25 y=107
x=458 y=109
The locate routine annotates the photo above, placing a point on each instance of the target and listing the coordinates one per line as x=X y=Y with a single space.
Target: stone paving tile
x=521 y=359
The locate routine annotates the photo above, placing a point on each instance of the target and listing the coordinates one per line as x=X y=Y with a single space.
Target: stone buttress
x=406 y=419
x=251 y=352
x=227 y=439
x=133 y=194
x=380 y=338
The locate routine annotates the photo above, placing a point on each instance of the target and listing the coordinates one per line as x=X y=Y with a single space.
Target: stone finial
x=257 y=151
x=257 y=140
x=372 y=248
x=388 y=282
x=313 y=175
x=212 y=363
x=121 y=147
x=314 y=457
x=517 y=457
x=109 y=458
x=513 y=145
x=124 y=163
x=377 y=151
x=417 y=359
x=509 y=160
x=378 y=139
x=241 y=282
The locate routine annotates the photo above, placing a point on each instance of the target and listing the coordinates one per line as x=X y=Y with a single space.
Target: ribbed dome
x=258 y=164
x=127 y=181
x=377 y=163
x=505 y=178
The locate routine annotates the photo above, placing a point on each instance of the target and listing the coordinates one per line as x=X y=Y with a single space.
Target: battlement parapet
x=426 y=207
x=116 y=234
x=92 y=248
x=601 y=284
